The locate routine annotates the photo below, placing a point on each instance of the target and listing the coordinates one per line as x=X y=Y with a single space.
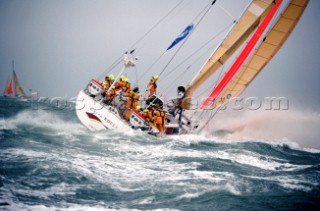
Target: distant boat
x=13 y=87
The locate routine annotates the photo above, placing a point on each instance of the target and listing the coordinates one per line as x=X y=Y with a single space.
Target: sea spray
x=49 y=161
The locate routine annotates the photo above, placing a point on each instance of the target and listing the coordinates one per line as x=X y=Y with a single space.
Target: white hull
x=98 y=116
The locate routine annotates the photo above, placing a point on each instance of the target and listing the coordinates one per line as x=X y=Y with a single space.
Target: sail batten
x=241 y=31
x=243 y=55
x=273 y=41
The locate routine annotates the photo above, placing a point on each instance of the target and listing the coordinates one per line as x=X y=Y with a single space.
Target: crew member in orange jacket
x=108 y=80
x=110 y=96
x=132 y=102
x=136 y=97
x=120 y=84
x=148 y=114
x=126 y=86
x=159 y=119
x=152 y=86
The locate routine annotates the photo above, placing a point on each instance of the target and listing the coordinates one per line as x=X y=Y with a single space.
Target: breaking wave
x=50 y=161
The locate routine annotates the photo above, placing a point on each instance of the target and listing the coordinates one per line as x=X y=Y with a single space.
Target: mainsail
x=243 y=56
x=251 y=18
x=263 y=54
x=17 y=87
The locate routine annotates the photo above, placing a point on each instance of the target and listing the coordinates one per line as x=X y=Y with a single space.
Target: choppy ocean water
x=50 y=161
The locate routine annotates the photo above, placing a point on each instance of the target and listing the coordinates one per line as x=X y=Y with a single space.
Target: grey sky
x=59 y=45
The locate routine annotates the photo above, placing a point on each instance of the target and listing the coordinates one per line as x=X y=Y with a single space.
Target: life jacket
x=119 y=85
x=160 y=117
x=132 y=99
x=160 y=120
x=129 y=97
x=135 y=96
x=164 y=117
x=111 y=94
x=135 y=100
x=145 y=115
x=126 y=87
x=150 y=116
x=106 y=84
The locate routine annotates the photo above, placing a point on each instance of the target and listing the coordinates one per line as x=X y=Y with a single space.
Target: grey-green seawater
x=50 y=161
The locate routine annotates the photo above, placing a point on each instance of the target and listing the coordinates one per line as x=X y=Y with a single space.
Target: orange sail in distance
x=8 y=91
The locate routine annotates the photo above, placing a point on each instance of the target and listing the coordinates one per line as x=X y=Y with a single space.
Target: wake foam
x=42 y=119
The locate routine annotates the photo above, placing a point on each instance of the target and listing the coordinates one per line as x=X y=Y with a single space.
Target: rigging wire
x=216 y=83
x=197 y=51
x=226 y=11
x=196 y=25
x=137 y=78
x=213 y=114
x=262 y=38
x=237 y=78
x=235 y=21
x=173 y=82
x=119 y=59
x=205 y=13
x=149 y=68
x=152 y=28
x=183 y=72
x=240 y=74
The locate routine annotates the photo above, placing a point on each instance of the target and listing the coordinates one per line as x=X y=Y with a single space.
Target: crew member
x=106 y=85
x=152 y=86
x=148 y=114
x=159 y=119
x=132 y=102
x=135 y=97
x=126 y=86
x=108 y=80
x=110 y=96
x=120 y=84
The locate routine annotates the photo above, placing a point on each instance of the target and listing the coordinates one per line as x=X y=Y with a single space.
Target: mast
x=249 y=21
x=17 y=87
x=271 y=44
